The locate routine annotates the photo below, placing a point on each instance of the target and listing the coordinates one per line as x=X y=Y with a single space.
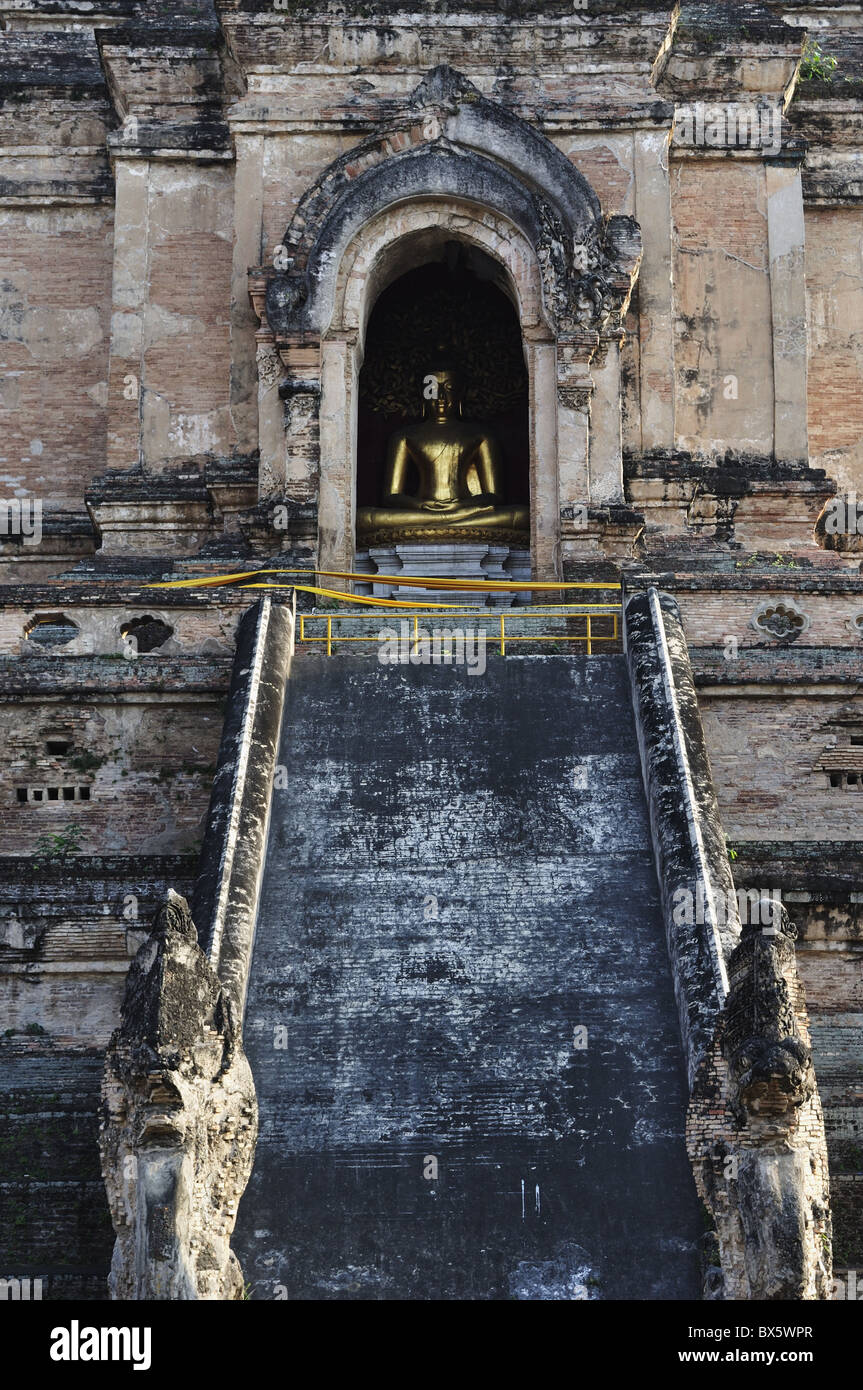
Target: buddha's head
x=442 y=393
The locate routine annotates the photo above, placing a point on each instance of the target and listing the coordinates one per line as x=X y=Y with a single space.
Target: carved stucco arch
x=448 y=110
x=454 y=142
x=408 y=236
x=404 y=180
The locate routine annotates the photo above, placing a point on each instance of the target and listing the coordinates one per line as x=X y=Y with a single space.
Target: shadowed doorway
x=453 y=310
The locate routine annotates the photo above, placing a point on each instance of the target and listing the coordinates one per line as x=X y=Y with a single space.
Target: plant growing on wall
x=60 y=846
x=816 y=65
x=86 y=761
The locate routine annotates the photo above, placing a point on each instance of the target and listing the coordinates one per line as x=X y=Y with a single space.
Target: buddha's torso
x=444 y=452
x=459 y=479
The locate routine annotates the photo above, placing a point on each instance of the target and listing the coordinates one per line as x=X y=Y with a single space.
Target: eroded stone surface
x=453 y=889
x=179 y=1123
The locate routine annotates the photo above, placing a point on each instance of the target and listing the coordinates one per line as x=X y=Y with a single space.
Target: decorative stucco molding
x=783 y=619
x=454 y=142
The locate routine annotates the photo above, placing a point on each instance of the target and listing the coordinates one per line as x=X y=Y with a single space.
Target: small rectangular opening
x=857 y=740
x=68 y=793
x=57 y=746
x=53 y=793
x=21 y=793
x=852 y=779
x=37 y=793
x=84 y=793
x=836 y=779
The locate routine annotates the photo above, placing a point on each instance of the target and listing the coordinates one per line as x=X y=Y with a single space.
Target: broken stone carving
x=769 y=1061
x=179 y=1122
x=840 y=525
x=763 y=1164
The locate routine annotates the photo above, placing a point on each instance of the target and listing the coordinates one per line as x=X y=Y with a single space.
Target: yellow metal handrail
x=443 y=617
x=428 y=610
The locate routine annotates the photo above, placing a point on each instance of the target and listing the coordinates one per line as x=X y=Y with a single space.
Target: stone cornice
x=797 y=668
x=782 y=580
x=97 y=679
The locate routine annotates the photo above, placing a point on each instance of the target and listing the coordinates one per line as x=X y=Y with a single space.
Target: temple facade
x=245 y=244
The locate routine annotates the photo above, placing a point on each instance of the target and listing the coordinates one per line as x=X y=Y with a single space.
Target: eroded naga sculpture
x=765 y=1181
x=179 y=1122
x=769 y=1061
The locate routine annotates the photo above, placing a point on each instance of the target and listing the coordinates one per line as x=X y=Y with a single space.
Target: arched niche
x=456 y=167
x=388 y=247
x=451 y=141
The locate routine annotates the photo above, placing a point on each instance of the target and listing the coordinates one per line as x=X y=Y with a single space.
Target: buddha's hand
x=399 y=499
x=432 y=505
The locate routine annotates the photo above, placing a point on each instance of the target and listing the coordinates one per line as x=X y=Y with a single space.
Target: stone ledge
x=733 y=471
x=97 y=869
x=52 y=61
x=97 y=677
x=824 y=866
x=716 y=49
x=120 y=591
x=780 y=580
x=777 y=664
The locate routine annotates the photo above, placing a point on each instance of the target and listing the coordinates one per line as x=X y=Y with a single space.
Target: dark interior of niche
x=448 y=310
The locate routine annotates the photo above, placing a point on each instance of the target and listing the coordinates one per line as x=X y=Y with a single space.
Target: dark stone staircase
x=459 y=882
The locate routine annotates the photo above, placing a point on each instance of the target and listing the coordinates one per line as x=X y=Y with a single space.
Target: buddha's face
x=448 y=399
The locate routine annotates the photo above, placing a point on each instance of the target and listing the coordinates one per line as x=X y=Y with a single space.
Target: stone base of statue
x=449 y=559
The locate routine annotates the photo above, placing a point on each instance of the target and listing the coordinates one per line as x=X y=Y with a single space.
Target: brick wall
x=765 y=755
x=722 y=306
x=147 y=763
x=834 y=285
x=55 y=308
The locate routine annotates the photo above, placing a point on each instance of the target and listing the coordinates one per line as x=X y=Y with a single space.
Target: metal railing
x=607 y=615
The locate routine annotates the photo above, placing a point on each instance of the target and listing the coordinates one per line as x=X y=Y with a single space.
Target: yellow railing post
x=502 y=635
x=329 y=636
x=589 y=648
x=302 y=627
x=416 y=640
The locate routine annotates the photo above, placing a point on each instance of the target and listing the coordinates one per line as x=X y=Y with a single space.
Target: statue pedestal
x=449 y=560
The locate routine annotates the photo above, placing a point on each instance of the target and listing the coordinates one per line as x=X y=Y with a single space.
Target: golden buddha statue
x=458 y=462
